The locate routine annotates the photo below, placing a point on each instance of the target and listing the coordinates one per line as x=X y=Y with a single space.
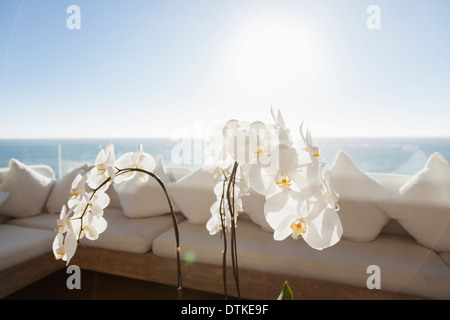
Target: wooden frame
x=254 y=285
x=20 y=276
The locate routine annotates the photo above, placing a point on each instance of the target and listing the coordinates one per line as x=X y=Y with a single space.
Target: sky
x=141 y=68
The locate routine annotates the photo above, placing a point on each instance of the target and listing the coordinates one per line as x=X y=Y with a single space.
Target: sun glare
x=273 y=56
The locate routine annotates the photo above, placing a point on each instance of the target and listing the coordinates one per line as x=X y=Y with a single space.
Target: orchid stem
x=174 y=220
x=224 y=253
x=231 y=205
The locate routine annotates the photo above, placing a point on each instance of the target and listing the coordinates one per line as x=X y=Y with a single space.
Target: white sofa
x=143 y=247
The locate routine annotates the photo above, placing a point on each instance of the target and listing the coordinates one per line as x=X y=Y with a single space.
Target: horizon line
x=201 y=137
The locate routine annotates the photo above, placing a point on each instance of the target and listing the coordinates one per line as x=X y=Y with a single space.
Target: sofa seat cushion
x=406 y=267
x=21 y=244
x=122 y=233
x=130 y=235
x=44 y=221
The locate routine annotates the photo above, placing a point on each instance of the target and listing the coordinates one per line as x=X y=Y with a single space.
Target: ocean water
x=384 y=155
x=77 y=152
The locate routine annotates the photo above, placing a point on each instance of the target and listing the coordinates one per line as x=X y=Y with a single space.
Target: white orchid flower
x=97 y=202
x=240 y=141
x=313 y=150
x=221 y=192
x=289 y=174
x=93 y=226
x=134 y=160
x=65 y=242
x=314 y=221
x=63 y=222
x=320 y=187
x=214 y=224
x=104 y=167
x=329 y=194
x=64 y=247
x=92 y=202
x=284 y=134
x=251 y=144
x=78 y=190
x=221 y=204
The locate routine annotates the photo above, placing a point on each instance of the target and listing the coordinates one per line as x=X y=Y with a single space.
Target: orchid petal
x=324 y=231
x=280 y=210
x=283 y=229
x=70 y=246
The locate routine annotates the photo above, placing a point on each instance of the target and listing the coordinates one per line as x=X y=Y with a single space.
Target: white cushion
x=122 y=233
x=114 y=201
x=361 y=218
x=176 y=173
x=131 y=235
x=43 y=169
x=3 y=197
x=28 y=191
x=144 y=199
x=60 y=192
x=194 y=195
x=45 y=221
x=253 y=206
x=422 y=205
x=406 y=267
x=19 y=244
x=391 y=181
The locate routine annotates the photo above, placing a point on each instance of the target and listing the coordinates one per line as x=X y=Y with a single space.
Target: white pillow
x=144 y=199
x=194 y=195
x=361 y=218
x=60 y=193
x=44 y=170
x=422 y=205
x=3 y=197
x=176 y=173
x=28 y=191
x=253 y=205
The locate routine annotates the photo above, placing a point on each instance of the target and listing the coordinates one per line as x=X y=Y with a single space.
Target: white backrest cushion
x=422 y=205
x=43 y=169
x=390 y=181
x=28 y=190
x=144 y=199
x=60 y=192
x=176 y=173
x=194 y=195
x=361 y=218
